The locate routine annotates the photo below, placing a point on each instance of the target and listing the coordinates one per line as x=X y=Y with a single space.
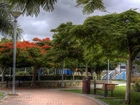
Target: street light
x=15 y=14
x=108 y=72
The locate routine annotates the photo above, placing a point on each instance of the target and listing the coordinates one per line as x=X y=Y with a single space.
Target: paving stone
x=46 y=97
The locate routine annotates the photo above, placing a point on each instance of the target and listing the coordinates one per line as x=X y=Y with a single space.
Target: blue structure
x=40 y=71
x=111 y=74
x=121 y=76
x=67 y=72
x=120 y=72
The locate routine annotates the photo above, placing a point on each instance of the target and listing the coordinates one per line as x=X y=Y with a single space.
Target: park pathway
x=46 y=97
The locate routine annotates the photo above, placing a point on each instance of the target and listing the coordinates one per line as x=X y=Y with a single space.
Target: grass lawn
x=119 y=96
x=1 y=94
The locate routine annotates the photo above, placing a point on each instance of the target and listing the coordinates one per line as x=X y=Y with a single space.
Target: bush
x=134 y=79
x=136 y=86
x=22 y=73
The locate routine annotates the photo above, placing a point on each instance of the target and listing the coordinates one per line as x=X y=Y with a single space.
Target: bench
x=105 y=87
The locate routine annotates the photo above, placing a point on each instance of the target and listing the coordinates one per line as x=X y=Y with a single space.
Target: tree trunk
x=57 y=71
x=73 y=75
x=98 y=76
x=86 y=70
x=3 y=73
x=36 y=67
x=92 y=71
x=128 y=81
x=62 y=83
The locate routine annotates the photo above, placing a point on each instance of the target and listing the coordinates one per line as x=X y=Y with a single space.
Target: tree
x=5 y=20
x=35 y=54
x=31 y=53
x=73 y=53
x=6 y=24
x=77 y=34
x=117 y=36
x=32 y=7
x=61 y=44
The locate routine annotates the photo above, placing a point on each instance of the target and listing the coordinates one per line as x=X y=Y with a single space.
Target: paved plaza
x=47 y=97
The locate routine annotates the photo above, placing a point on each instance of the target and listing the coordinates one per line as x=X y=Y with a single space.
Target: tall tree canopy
x=114 y=36
x=65 y=49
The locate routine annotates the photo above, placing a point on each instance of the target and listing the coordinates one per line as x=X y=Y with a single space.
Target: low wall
x=3 y=84
x=51 y=83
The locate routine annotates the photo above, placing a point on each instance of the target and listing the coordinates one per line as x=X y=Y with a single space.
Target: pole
x=14 y=56
x=62 y=84
x=108 y=71
x=120 y=68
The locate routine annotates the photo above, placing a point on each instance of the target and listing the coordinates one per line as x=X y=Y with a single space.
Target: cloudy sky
x=65 y=11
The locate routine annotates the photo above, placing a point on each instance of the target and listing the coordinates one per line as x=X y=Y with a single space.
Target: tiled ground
x=46 y=97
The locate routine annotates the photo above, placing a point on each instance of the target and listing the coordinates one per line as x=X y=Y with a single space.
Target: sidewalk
x=49 y=97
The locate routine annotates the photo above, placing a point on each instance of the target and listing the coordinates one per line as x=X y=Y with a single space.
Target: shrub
x=136 y=86
x=134 y=79
x=22 y=73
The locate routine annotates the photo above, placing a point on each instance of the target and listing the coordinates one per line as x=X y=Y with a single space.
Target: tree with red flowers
x=33 y=53
x=27 y=54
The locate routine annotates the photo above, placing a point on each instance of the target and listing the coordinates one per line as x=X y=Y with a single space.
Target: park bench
x=105 y=87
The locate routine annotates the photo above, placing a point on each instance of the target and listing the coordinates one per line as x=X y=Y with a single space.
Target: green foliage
x=136 y=86
x=32 y=7
x=22 y=73
x=91 y=5
x=112 y=36
x=6 y=24
x=65 y=49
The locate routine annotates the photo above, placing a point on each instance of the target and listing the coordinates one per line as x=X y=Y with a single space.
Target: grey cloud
x=65 y=10
x=121 y=5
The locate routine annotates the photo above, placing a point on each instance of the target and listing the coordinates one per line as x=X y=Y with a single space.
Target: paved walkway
x=48 y=97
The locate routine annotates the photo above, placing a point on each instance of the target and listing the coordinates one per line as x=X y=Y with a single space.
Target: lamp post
x=62 y=83
x=15 y=15
x=108 y=72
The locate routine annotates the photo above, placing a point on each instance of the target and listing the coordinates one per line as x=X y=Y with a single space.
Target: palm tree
x=5 y=20
x=6 y=24
x=32 y=7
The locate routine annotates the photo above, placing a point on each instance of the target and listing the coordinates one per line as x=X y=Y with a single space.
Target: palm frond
x=6 y=23
x=89 y=6
x=32 y=7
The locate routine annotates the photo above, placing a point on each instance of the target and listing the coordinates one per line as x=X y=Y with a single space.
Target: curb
x=93 y=98
x=5 y=96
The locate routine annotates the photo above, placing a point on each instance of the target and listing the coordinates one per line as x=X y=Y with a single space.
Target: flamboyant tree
x=28 y=54
x=117 y=36
x=5 y=56
x=68 y=52
x=36 y=52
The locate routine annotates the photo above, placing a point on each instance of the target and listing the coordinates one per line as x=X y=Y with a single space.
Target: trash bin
x=86 y=85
